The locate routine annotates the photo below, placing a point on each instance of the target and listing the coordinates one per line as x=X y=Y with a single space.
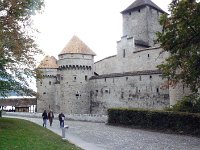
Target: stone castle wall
x=46 y=90
x=143 y=59
x=75 y=70
x=134 y=90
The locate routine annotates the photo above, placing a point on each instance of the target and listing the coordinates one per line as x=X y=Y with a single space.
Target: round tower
x=75 y=63
x=46 y=85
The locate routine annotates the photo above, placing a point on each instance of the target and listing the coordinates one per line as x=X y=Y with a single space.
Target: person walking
x=61 y=117
x=50 y=117
x=45 y=117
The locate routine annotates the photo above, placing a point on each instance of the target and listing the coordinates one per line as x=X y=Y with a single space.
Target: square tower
x=141 y=21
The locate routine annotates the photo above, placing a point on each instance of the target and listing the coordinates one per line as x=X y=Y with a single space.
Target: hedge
x=180 y=122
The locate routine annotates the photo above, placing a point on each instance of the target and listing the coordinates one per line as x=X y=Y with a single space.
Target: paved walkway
x=98 y=136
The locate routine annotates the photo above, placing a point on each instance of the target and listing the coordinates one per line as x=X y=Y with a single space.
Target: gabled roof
x=48 y=62
x=76 y=46
x=142 y=3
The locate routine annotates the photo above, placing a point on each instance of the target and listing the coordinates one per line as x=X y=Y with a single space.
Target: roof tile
x=140 y=3
x=48 y=62
x=76 y=46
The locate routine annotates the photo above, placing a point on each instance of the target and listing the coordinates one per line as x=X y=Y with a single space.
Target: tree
x=18 y=49
x=181 y=38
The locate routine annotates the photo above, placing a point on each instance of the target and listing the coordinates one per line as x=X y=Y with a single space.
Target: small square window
x=61 y=78
x=74 y=78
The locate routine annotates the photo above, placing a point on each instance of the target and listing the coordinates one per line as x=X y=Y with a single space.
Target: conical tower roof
x=141 y=3
x=76 y=46
x=48 y=62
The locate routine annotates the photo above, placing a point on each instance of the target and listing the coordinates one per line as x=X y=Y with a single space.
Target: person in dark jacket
x=44 y=117
x=50 y=117
x=61 y=117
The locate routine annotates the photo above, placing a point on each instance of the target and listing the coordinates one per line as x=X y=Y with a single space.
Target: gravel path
x=98 y=136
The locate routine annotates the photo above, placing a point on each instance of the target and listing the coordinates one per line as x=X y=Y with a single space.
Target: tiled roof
x=48 y=62
x=134 y=73
x=18 y=102
x=141 y=3
x=76 y=46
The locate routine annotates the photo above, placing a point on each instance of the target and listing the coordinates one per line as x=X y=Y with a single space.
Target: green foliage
x=179 y=122
x=19 y=134
x=187 y=104
x=18 y=49
x=181 y=38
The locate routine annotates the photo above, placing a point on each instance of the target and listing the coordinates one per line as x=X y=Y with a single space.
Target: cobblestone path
x=98 y=136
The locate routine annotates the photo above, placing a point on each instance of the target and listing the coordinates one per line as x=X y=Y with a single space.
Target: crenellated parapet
x=74 y=67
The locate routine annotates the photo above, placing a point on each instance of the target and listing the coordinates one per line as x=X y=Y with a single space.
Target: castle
x=74 y=84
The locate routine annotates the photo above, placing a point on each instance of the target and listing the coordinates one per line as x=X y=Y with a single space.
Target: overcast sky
x=98 y=23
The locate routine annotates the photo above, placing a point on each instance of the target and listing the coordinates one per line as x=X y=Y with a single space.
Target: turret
x=46 y=85
x=75 y=68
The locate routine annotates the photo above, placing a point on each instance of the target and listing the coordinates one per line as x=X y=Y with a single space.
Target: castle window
x=105 y=79
x=74 y=78
x=124 y=53
x=126 y=78
x=140 y=78
x=138 y=10
x=44 y=93
x=150 y=77
x=96 y=93
x=77 y=94
x=148 y=55
x=86 y=78
x=129 y=13
x=157 y=90
x=49 y=82
x=122 y=95
x=58 y=77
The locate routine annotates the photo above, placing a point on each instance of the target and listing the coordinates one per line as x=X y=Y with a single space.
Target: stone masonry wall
x=46 y=90
x=138 y=60
x=134 y=91
x=75 y=70
x=135 y=24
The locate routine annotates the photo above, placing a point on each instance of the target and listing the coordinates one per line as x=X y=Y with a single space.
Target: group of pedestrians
x=50 y=116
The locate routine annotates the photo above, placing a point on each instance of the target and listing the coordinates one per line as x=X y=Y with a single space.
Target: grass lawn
x=17 y=134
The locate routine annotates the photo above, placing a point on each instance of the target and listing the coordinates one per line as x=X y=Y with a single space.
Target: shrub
x=187 y=123
x=189 y=103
